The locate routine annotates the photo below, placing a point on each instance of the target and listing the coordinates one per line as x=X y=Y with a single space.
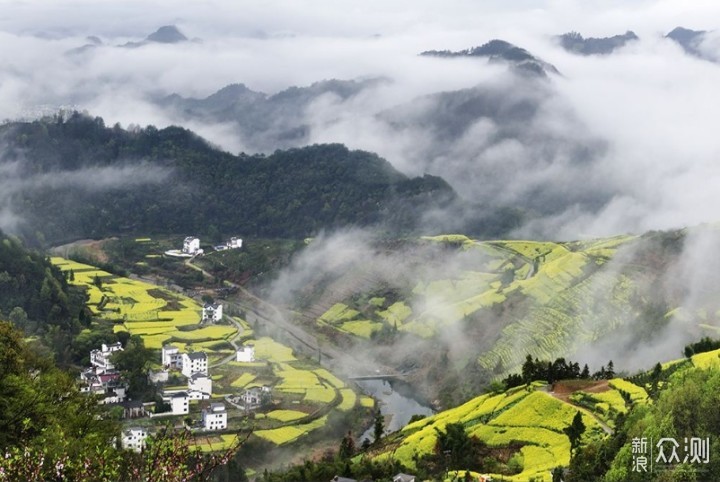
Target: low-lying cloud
x=617 y=143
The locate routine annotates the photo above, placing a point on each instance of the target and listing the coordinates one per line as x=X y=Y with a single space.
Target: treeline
x=51 y=432
x=534 y=369
x=36 y=297
x=705 y=344
x=84 y=179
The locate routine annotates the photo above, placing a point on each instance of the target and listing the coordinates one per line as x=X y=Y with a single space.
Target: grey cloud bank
x=619 y=143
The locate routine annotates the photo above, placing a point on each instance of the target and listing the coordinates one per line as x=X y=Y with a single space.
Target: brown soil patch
x=563 y=389
x=91 y=247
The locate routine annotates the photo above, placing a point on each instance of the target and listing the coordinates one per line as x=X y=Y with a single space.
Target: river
x=395 y=402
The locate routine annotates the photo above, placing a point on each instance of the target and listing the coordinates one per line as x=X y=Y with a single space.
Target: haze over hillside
x=595 y=151
x=454 y=198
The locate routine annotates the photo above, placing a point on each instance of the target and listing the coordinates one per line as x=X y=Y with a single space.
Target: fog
x=641 y=119
x=620 y=143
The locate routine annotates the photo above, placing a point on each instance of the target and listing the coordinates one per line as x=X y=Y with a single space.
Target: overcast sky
x=653 y=106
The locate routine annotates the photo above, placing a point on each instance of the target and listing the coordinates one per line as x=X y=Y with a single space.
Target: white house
x=191 y=245
x=101 y=358
x=201 y=383
x=197 y=395
x=215 y=417
x=115 y=393
x=253 y=397
x=404 y=478
x=234 y=243
x=134 y=439
x=212 y=312
x=196 y=362
x=179 y=403
x=171 y=357
x=245 y=354
x=159 y=376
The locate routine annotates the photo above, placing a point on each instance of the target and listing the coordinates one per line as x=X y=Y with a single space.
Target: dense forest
x=37 y=299
x=74 y=177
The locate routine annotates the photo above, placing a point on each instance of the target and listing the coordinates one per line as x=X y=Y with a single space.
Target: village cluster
x=191 y=247
x=104 y=380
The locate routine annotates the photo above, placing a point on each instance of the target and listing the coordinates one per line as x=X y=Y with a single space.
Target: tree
x=528 y=369
x=575 y=431
x=456 y=443
x=133 y=362
x=347 y=447
x=378 y=425
x=585 y=374
x=610 y=370
x=19 y=318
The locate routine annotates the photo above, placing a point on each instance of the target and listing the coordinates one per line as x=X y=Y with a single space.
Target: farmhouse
x=212 y=312
x=171 y=357
x=234 y=243
x=101 y=358
x=200 y=383
x=133 y=439
x=179 y=403
x=158 y=376
x=255 y=397
x=404 y=478
x=215 y=417
x=196 y=362
x=106 y=384
x=246 y=354
x=191 y=245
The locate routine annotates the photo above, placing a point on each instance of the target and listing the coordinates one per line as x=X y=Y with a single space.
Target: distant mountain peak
x=575 y=43
x=167 y=34
x=501 y=50
x=689 y=40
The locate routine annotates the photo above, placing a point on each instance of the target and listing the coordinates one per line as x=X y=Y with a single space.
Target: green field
x=284 y=435
x=558 y=285
x=160 y=316
x=526 y=416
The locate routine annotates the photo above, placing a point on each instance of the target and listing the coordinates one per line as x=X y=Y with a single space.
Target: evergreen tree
x=575 y=431
x=379 y=425
x=610 y=370
x=347 y=447
x=585 y=374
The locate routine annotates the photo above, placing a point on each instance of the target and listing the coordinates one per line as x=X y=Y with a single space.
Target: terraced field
x=567 y=298
x=160 y=316
x=525 y=416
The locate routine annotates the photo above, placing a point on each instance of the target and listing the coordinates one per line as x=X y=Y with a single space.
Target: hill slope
x=453 y=313
x=532 y=421
x=74 y=177
x=501 y=51
x=576 y=43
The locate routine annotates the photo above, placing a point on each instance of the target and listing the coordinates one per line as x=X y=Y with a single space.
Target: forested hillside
x=74 y=177
x=36 y=298
x=584 y=429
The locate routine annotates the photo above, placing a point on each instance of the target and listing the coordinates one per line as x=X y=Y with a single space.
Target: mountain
x=93 y=42
x=495 y=135
x=523 y=433
x=265 y=122
x=689 y=40
x=168 y=34
x=501 y=51
x=454 y=313
x=575 y=43
x=74 y=177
